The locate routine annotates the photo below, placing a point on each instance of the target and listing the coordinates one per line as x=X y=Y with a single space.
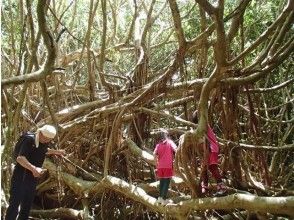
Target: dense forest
x=111 y=74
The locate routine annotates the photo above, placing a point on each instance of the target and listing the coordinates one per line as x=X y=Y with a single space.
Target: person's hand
x=38 y=171
x=54 y=152
x=60 y=152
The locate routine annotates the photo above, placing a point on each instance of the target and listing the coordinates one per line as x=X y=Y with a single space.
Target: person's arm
x=174 y=146
x=36 y=171
x=155 y=159
x=155 y=155
x=55 y=152
x=25 y=150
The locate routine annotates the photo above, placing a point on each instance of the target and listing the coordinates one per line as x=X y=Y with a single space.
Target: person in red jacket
x=164 y=155
x=210 y=161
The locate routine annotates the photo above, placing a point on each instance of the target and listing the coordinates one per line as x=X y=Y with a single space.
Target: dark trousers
x=22 y=192
x=163 y=187
x=213 y=168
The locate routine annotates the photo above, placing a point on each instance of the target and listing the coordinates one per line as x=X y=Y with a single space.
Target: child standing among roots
x=210 y=161
x=164 y=154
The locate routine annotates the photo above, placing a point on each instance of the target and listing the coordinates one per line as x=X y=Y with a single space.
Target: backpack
x=19 y=142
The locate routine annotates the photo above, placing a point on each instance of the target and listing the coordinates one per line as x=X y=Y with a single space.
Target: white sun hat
x=48 y=131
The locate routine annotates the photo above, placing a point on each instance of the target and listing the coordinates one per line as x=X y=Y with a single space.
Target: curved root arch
x=187 y=160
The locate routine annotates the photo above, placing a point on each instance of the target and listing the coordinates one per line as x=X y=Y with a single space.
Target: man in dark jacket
x=28 y=169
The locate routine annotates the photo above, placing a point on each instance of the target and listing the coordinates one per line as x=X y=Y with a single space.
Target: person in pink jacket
x=164 y=155
x=210 y=161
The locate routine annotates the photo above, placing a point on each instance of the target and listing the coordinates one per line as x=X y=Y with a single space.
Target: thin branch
x=177 y=23
x=210 y=9
x=274 y=88
x=264 y=35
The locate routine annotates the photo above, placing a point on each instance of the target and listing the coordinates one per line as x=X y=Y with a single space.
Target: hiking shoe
x=204 y=188
x=167 y=201
x=160 y=200
x=220 y=194
x=221 y=189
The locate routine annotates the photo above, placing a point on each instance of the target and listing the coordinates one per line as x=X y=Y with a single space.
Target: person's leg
x=221 y=188
x=159 y=173
x=204 y=179
x=213 y=168
x=28 y=198
x=166 y=186
x=161 y=187
x=15 y=196
x=14 y=201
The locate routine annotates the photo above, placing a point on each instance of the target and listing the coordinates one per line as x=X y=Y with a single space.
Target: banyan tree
x=110 y=74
